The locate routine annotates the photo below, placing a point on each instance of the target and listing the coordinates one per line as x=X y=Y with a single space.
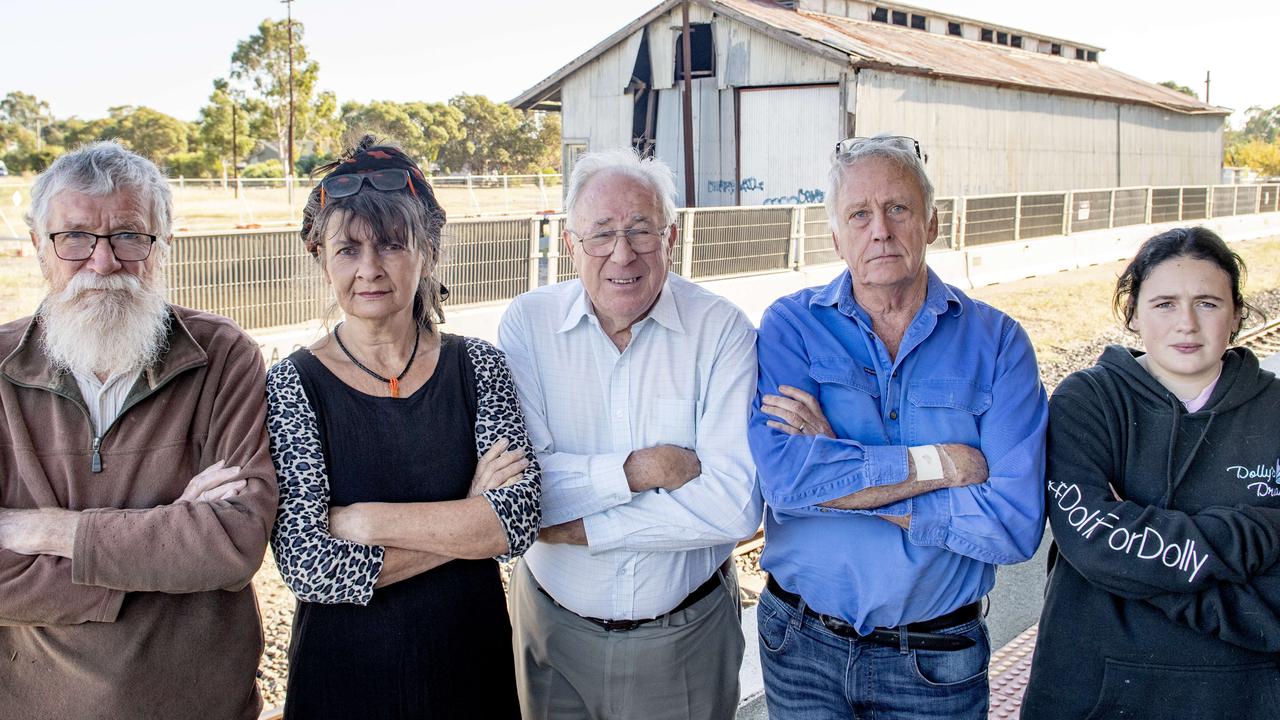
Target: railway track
x=1264 y=340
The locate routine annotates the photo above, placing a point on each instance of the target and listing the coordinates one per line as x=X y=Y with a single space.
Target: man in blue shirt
x=898 y=434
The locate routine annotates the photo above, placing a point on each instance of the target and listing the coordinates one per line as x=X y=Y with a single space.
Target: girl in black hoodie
x=1164 y=498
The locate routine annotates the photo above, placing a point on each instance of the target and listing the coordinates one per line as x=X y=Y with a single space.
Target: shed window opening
x=880 y=15
x=988 y=35
x=1055 y=49
x=1079 y=53
x=702 y=52
x=953 y=29
x=899 y=18
x=918 y=22
x=1002 y=38
x=1015 y=40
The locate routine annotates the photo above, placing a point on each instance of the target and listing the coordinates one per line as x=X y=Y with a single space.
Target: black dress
x=436 y=645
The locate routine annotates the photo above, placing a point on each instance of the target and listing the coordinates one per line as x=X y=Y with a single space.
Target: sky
x=86 y=56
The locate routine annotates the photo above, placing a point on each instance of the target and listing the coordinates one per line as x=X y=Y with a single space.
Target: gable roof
x=881 y=46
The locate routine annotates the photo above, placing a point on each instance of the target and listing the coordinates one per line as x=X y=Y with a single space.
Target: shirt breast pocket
x=672 y=421
x=850 y=398
x=946 y=410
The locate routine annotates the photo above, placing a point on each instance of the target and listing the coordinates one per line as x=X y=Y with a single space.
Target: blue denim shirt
x=965 y=373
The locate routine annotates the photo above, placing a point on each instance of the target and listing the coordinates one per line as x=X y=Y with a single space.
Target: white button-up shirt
x=104 y=400
x=686 y=378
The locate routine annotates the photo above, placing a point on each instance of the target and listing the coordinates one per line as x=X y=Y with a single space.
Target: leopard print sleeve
x=498 y=415
x=318 y=567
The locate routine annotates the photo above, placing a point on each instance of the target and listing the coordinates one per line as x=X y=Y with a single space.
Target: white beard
x=108 y=325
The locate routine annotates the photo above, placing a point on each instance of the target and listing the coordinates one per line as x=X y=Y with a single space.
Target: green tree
x=216 y=130
x=422 y=129
x=261 y=63
x=1256 y=154
x=151 y=133
x=501 y=139
x=1180 y=88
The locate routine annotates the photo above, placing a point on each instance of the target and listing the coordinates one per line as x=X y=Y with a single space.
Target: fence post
x=1069 y=218
x=535 y=254
x=553 y=250
x=1111 y=209
x=686 y=247
x=1017 y=216
x=797 y=236
x=959 y=217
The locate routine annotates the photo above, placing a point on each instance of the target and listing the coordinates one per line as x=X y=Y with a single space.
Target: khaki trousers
x=681 y=667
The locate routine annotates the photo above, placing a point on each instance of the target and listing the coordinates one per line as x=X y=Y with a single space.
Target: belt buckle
x=620 y=625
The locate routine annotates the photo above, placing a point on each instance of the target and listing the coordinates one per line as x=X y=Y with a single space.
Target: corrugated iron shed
x=866 y=44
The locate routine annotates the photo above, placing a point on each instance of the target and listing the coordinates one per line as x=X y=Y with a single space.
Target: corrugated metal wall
x=980 y=139
x=984 y=140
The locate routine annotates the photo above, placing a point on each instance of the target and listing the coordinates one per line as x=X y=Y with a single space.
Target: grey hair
x=890 y=147
x=624 y=161
x=98 y=169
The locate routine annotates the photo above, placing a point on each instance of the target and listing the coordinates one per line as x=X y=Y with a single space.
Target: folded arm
x=1130 y=548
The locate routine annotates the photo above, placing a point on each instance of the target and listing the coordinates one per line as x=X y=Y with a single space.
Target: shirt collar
x=839 y=294
x=664 y=312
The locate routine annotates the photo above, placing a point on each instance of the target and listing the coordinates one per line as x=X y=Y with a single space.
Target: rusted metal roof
x=882 y=46
x=891 y=47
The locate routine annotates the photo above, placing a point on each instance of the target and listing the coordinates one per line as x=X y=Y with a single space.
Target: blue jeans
x=811 y=673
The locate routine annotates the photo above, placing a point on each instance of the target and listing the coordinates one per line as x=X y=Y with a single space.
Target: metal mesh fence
x=485 y=260
x=265 y=278
x=946 y=208
x=1246 y=199
x=818 y=247
x=1089 y=211
x=1041 y=215
x=739 y=241
x=1224 y=201
x=990 y=219
x=1270 y=198
x=1165 y=204
x=258 y=279
x=1130 y=207
x=1195 y=203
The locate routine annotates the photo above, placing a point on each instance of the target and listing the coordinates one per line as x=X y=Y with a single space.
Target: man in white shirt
x=636 y=386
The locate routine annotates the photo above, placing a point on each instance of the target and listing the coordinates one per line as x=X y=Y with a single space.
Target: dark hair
x=1198 y=243
x=415 y=221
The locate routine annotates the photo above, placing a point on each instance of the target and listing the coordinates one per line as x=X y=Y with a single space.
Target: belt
x=922 y=635
x=698 y=593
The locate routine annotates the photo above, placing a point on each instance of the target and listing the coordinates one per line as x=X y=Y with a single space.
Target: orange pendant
x=394 y=383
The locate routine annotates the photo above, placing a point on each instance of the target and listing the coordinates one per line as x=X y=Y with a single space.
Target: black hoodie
x=1165 y=604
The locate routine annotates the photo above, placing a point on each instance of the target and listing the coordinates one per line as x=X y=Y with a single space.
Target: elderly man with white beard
x=136 y=488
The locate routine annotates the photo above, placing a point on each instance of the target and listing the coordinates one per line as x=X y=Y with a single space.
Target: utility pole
x=1206 y=87
x=288 y=166
x=235 y=151
x=690 y=197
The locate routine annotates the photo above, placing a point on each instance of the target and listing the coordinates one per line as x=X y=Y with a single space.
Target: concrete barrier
x=1002 y=262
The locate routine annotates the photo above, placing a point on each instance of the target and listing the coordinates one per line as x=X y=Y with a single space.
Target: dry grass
x=21 y=286
x=1069 y=308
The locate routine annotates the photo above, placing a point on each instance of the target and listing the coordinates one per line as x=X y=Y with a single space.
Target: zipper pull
x=96 y=465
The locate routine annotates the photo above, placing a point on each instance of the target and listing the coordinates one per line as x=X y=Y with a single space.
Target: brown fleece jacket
x=153 y=617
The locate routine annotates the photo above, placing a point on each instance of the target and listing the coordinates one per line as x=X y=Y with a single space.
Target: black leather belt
x=698 y=593
x=922 y=635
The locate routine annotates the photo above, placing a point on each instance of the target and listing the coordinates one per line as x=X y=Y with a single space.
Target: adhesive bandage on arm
x=928 y=462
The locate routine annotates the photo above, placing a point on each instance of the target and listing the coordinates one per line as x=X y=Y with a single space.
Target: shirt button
x=893 y=414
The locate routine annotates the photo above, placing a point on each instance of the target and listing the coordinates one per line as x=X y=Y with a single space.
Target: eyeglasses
x=388 y=180
x=79 y=245
x=848 y=145
x=601 y=244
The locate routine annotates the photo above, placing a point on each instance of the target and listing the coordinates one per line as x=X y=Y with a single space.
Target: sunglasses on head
x=388 y=180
